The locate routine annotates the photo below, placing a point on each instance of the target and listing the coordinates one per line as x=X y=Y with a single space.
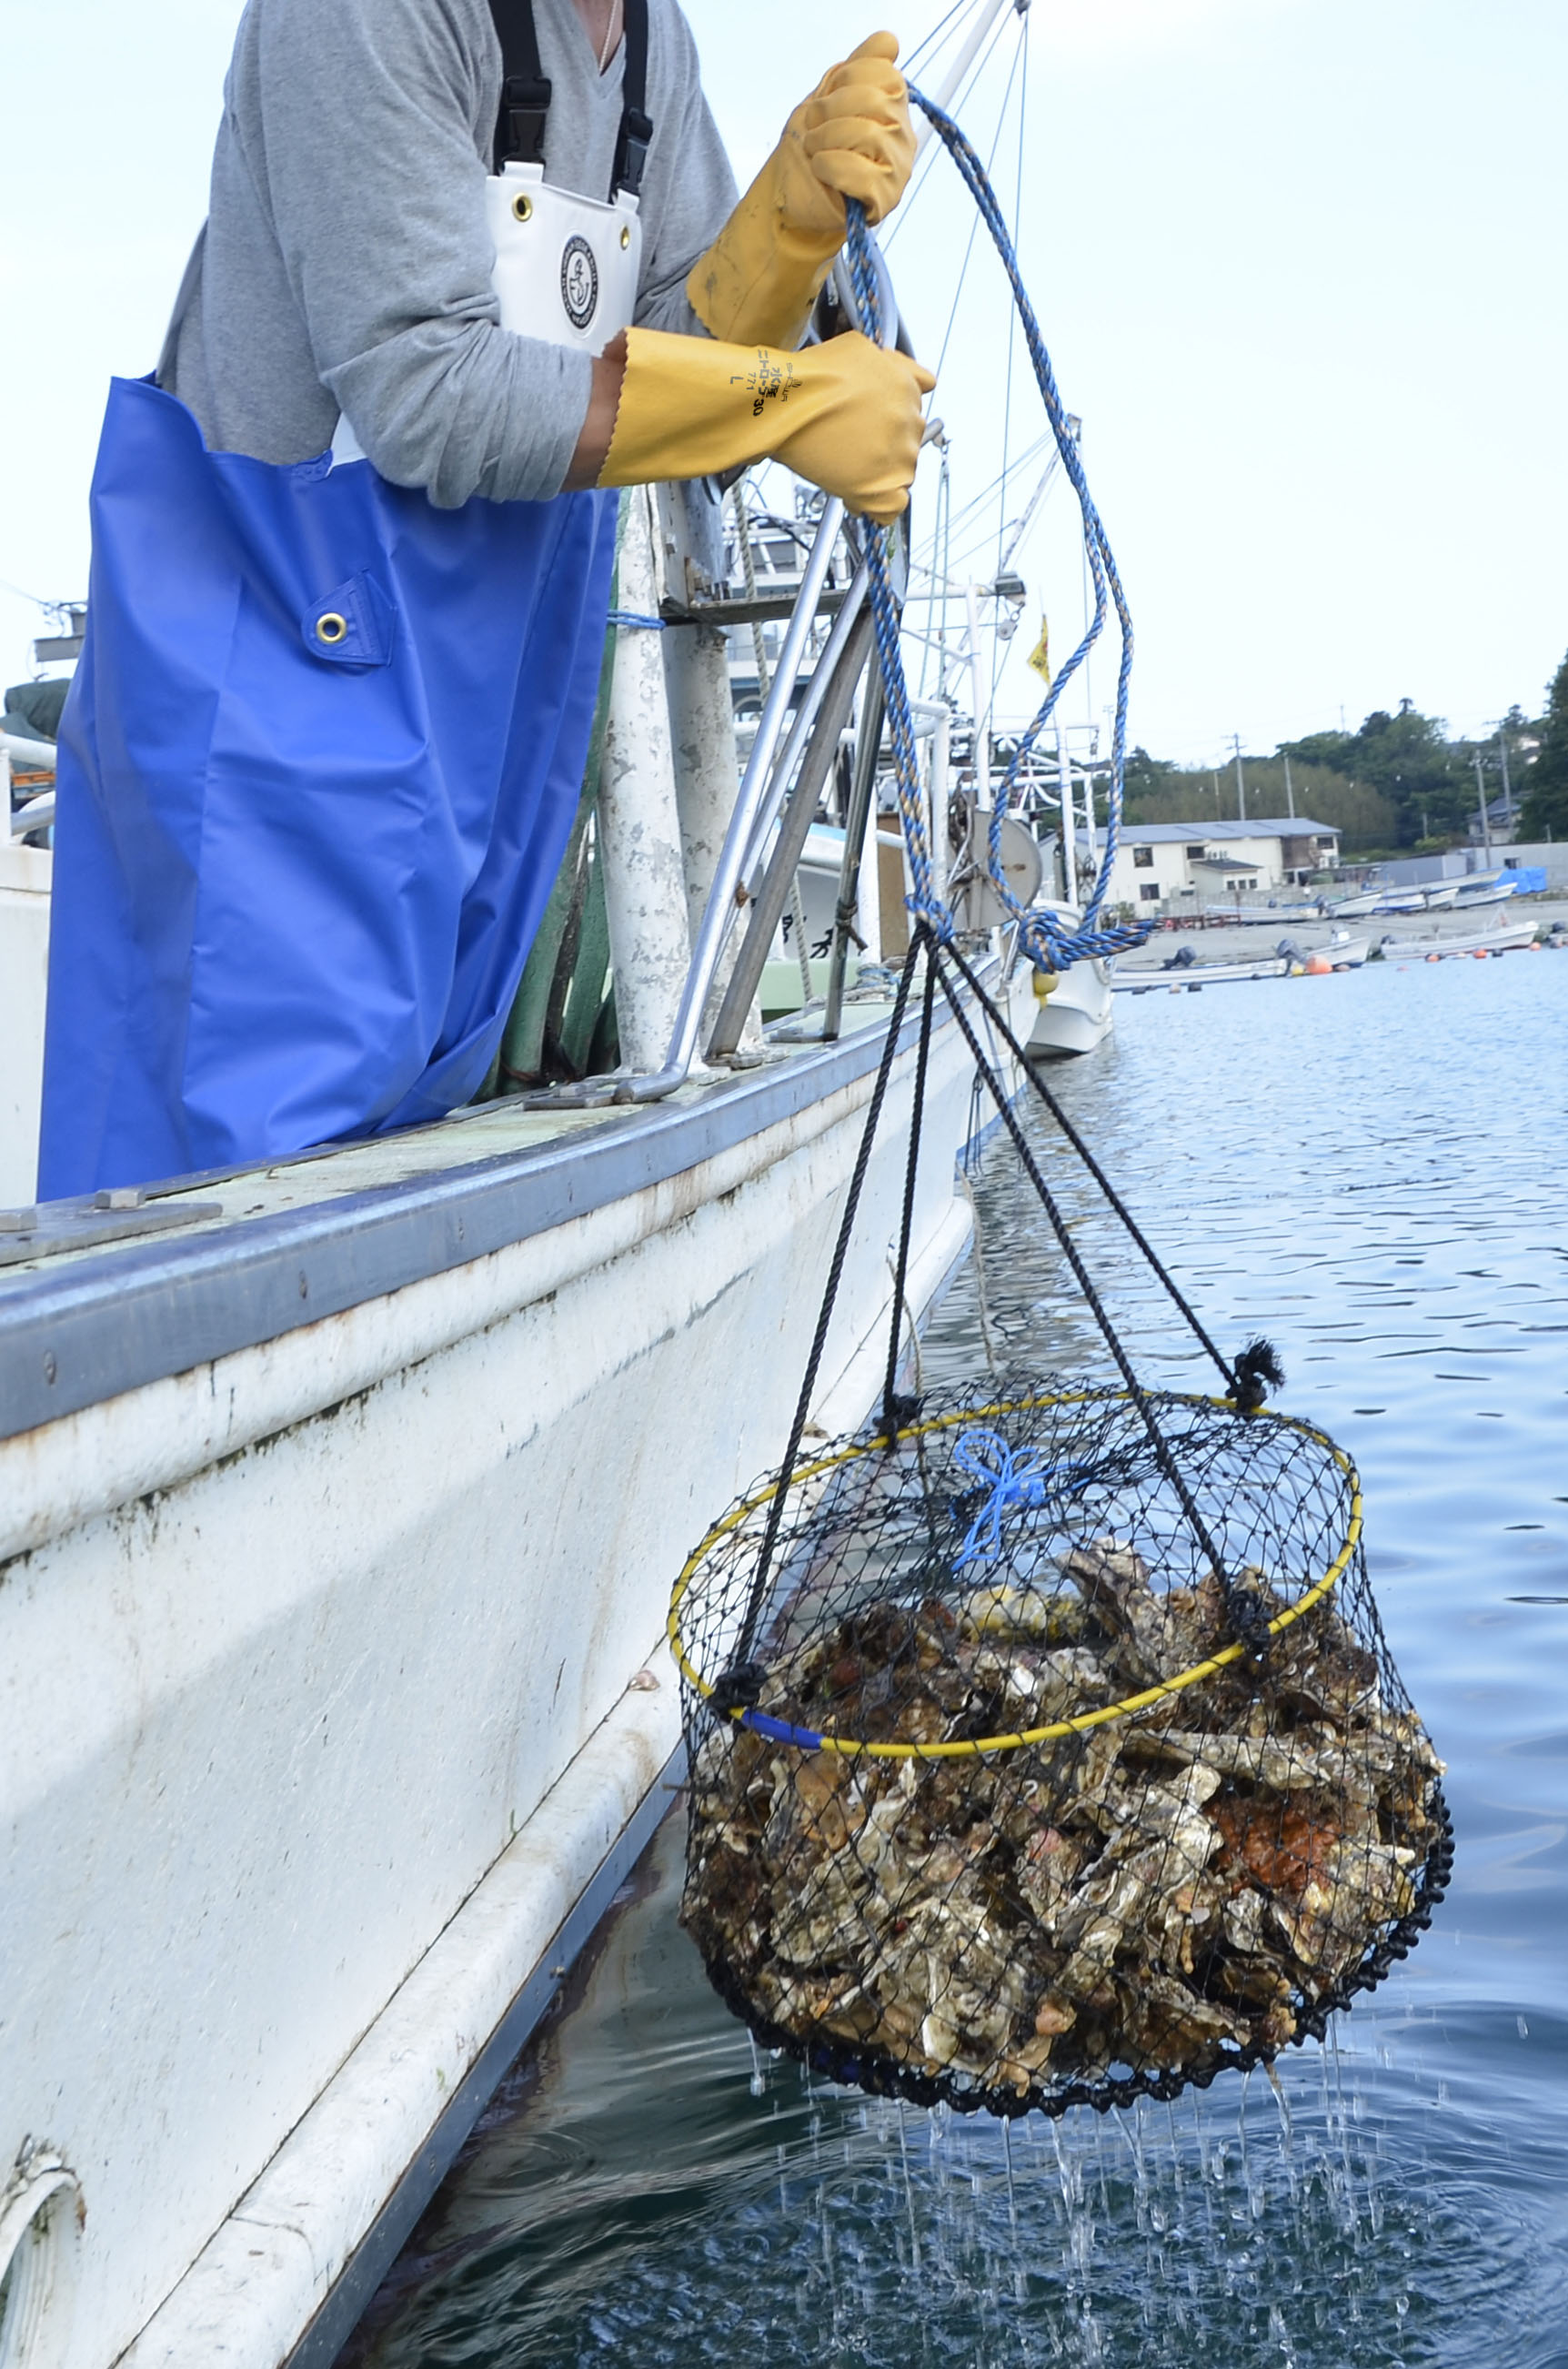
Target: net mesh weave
x=993 y=1799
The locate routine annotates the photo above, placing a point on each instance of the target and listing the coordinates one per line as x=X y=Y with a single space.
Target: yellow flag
x=1040 y=656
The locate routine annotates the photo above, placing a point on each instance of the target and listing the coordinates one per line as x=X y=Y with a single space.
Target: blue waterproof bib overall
x=316 y=775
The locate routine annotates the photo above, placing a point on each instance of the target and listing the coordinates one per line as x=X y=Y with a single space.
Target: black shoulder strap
x=636 y=131
x=525 y=93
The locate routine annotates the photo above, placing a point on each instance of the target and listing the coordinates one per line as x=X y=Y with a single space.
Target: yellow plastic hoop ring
x=850 y=1748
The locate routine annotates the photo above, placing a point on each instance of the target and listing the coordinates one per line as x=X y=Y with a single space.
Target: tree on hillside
x=1202 y=797
x=1545 y=786
x=1407 y=758
x=1145 y=777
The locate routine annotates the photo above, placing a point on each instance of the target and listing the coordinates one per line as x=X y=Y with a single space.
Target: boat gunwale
x=121 y=1317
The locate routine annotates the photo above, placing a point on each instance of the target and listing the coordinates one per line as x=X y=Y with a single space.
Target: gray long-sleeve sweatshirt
x=346 y=261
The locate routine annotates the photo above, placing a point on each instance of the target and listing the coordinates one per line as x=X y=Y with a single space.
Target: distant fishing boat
x=1438 y=949
x=1369 y=902
x=1197 y=974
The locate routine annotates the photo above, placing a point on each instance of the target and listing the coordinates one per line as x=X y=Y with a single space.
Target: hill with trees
x=1398 y=784
x=1546 y=784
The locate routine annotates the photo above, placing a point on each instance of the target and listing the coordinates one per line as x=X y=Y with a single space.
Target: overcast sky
x=1299 y=267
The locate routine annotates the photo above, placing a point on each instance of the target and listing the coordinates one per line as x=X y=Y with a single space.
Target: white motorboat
x=1436 y=899
x=1074 y=1012
x=1197 y=974
x=1437 y=948
x=1385 y=899
x=1494 y=892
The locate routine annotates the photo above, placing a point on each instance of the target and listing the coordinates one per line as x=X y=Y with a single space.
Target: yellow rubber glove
x=852 y=138
x=846 y=415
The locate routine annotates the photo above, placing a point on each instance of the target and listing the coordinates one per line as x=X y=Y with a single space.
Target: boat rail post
x=731 y=870
x=638 y=820
x=703 y=743
x=851 y=643
x=1068 y=822
x=940 y=719
x=763 y=786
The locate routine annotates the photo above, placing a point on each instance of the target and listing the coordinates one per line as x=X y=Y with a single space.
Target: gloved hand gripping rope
x=1045 y=1750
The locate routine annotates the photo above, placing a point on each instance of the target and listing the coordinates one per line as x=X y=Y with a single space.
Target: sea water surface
x=1369 y=1168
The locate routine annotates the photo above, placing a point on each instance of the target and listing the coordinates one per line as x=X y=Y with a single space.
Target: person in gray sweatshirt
x=354 y=542
x=346 y=262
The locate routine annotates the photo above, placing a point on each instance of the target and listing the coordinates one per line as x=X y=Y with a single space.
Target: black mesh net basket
x=1045 y=1756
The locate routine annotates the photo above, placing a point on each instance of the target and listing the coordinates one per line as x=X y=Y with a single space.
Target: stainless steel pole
x=729 y=872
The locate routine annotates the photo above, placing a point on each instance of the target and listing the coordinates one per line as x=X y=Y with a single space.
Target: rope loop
x=1049 y=944
x=1011 y=1480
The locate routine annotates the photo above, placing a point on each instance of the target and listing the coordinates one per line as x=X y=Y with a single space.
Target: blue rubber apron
x=316 y=775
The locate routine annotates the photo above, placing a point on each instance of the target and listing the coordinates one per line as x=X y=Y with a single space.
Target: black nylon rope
x=890 y=1424
x=1245 y=1616
x=1098 y=1173
x=819 y=1342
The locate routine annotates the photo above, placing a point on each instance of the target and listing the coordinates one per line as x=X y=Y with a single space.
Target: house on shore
x=1183 y=867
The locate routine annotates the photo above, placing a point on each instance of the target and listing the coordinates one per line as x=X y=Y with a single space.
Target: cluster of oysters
x=1154 y=1895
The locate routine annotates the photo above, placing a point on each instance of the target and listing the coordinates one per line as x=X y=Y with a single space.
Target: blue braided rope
x=926 y=903
x=1048 y=942
x=636 y=618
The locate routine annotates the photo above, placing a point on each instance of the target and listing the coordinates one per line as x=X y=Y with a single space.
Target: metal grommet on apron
x=325 y=746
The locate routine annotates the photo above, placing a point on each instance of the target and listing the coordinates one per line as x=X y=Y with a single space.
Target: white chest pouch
x=567 y=267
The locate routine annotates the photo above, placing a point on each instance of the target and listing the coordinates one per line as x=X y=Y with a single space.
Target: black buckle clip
x=631 y=153
x=525 y=111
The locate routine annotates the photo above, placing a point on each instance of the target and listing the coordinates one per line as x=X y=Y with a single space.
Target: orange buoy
x=1434 y=957
x=1318 y=966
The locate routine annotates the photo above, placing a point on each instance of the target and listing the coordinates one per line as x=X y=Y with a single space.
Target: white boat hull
x=1494 y=942
x=296 y=1639
x=1145 y=982
x=1076 y=1016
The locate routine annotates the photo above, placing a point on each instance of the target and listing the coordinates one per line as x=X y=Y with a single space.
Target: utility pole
x=1485 y=824
x=1508 y=790
x=1241 y=780
x=1289 y=793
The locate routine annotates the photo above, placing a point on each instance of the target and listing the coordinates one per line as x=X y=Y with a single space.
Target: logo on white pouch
x=579 y=282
